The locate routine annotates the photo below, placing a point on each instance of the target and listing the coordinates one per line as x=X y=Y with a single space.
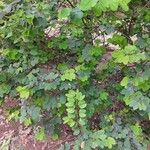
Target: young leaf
x=68 y=75
x=40 y=134
x=110 y=142
x=64 y=13
x=87 y=4
x=23 y=91
x=125 y=81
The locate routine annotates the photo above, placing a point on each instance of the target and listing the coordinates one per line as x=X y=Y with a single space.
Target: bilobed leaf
x=76 y=13
x=113 y=4
x=70 y=110
x=23 y=91
x=4 y=89
x=82 y=115
x=118 y=39
x=64 y=13
x=34 y=113
x=30 y=18
x=27 y=122
x=79 y=96
x=124 y=4
x=86 y=54
x=82 y=122
x=69 y=74
x=83 y=105
x=136 y=129
x=103 y=95
x=87 y=4
x=72 y=123
x=40 y=134
x=66 y=119
x=125 y=81
x=110 y=142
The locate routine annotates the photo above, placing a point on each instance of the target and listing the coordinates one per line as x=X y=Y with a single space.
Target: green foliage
x=107 y=5
x=87 y=4
x=76 y=112
x=23 y=92
x=124 y=81
x=68 y=75
x=40 y=135
x=118 y=39
x=80 y=63
x=93 y=140
x=130 y=54
x=64 y=13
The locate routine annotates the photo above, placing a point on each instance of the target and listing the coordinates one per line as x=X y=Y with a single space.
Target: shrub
x=52 y=59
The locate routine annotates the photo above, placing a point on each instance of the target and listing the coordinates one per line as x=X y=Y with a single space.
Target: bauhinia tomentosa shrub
x=52 y=59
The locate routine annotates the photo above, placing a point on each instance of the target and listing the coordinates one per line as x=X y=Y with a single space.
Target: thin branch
x=70 y=3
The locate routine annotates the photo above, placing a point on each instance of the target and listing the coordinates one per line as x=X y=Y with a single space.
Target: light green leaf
x=64 y=13
x=113 y=4
x=72 y=123
x=124 y=81
x=103 y=95
x=27 y=122
x=110 y=142
x=70 y=110
x=83 y=105
x=23 y=91
x=68 y=75
x=40 y=134
x=82 y=115
x=82 y=122
x=136 y=129
x=87 y=4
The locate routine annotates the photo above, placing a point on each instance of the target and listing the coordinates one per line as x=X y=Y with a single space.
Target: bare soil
x=14 y=136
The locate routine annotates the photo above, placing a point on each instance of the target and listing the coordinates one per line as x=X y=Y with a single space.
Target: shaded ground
x=14 y=136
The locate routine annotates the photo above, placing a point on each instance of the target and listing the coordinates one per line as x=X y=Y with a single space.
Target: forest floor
x=15 y=136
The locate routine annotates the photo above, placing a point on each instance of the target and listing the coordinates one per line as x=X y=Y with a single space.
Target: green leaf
x=103 y=95
x=66 y=119
x=70 y=104
x=71 y=94
x=79 y=96
x=110 y=142
x=86 y=54
x=72 y=123
x=34 y=112
x=30 y=18
x=82 y=115
x=124 y=4
x=136 y=129
x=27 y=122
x=83 y=105
x=64 y=13
x=23 y=91
x=70 y=110
x=55 y=137
x=82 y=122
x=125 y=81
x=118 y=39
x=96 y=51
x=4 y=89
x=40 y=134
x=68 y=75
x=63 y=45
x=87 y=4
x=113 y=4
x=120 y=57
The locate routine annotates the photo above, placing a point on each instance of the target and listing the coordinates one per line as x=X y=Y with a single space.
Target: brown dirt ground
x=17 y=137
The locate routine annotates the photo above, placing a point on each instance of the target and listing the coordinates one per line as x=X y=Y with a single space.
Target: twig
x=70 y=3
